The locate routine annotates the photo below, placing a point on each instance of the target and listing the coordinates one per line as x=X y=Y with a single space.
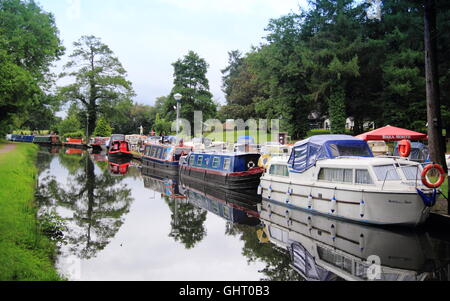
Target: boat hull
x=165 y=166
x=245 y=180
x=377 y=208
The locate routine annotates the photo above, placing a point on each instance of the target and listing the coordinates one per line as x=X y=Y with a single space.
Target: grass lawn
x=25 y=253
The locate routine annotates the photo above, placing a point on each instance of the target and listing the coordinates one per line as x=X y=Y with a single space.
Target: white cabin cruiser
x=337 y=176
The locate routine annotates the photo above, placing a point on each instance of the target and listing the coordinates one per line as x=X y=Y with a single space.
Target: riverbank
x=25 y=253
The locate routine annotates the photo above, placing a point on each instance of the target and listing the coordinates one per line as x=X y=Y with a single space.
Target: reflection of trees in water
x=96 y=202
x=187 y=222
x=277 y=261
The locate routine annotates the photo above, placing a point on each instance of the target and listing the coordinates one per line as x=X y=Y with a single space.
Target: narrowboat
x=119 y=147
x=338 y=176
x=21 y=138
x=326 y=249
x=119 y=166
x=164 y=156
x=235 y=207
x=227 y=170
x=165 y=183
x=99 y=144
x=48 y=140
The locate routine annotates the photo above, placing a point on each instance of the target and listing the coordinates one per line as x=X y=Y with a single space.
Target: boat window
x=216 y=162
x=335 y=259
x=338 y=175
x=386 y=172
x=279 y=234
x=147 y=150
x=227 y=164
x=152 y=152
x=339 y=150
x=158 y=153
x=411 y=172
x=192 y=160
x=279 y=170
x=207 y=161
x=363 y=177
x=199 y=160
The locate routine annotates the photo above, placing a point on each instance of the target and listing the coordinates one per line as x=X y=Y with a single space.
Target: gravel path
x=7 y=148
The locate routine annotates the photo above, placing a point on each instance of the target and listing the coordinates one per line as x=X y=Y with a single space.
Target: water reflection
x=125 y=222
x=92 y=202
x=325 y=249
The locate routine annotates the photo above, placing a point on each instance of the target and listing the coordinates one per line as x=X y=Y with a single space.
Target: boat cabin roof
x=306 y=153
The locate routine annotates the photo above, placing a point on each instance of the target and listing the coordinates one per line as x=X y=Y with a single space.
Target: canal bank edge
x=25 y=253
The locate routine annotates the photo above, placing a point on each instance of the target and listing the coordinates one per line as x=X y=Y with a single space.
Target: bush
x=103 y=128
x=74 y=135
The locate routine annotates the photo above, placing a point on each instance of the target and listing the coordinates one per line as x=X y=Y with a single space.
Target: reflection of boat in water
x=119 y=166
x=164 y=183
x=234 y=206
x=74 y=151
x=321 y=247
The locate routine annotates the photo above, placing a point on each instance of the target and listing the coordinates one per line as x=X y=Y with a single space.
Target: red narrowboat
x=119 y=147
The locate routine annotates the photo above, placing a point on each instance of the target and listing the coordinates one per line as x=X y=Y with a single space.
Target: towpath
x=7 y=148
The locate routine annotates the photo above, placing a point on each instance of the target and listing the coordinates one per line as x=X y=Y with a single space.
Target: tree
x=103 y=129
x=100 y=79
x=191 y=82
x=29 y=43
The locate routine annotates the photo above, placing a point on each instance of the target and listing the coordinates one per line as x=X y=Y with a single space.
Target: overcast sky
x=149 y=35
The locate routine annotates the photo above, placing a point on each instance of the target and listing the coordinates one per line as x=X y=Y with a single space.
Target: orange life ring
x=404 y=148
x=425 y=172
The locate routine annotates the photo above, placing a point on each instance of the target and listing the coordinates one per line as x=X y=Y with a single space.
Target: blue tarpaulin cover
x=307 y=152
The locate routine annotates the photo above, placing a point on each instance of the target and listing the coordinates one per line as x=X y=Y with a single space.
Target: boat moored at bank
x=164 y=156
x=226 y=170
x=119 y=147
x=338 y=176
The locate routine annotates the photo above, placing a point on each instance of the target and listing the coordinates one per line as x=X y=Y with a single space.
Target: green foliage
x=191 y=82
x=69 y=125
x=100 y=79
x=103 y=129
x=74 y=135
x=162 y=126
x=336 y=105
x=29 y=43
x=25 y=253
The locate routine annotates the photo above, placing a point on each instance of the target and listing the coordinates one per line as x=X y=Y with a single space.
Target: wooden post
x=436 y=140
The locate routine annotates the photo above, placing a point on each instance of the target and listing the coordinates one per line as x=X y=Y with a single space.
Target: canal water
x=116 y=221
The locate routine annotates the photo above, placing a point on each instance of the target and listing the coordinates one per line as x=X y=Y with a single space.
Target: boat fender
x=263 y=235
x=404 y=148
x=269 y=210
x=442 y=175
x=288 y=195
x=264 y=160
x=333 y=232
x=270 y=192
x=333 y=205
x=362 y=209
x=260 y=190
x=361 y=242
x=310 y=201
x=310 y=225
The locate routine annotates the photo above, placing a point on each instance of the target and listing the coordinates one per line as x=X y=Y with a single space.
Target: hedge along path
x=7 y=148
